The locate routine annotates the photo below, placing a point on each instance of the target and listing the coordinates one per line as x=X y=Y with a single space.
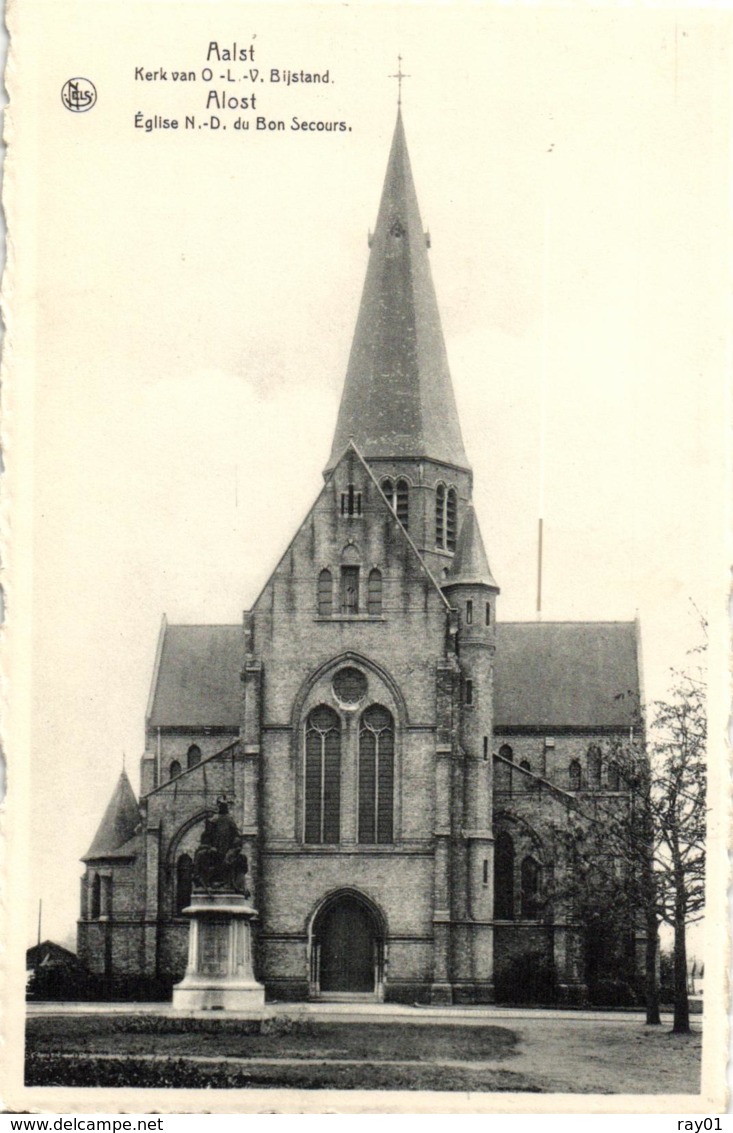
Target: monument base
x=219 y=974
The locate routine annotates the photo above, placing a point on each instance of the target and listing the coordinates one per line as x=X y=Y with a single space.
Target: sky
x=183 y=303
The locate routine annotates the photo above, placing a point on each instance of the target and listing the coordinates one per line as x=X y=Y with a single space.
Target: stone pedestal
x=219 y=973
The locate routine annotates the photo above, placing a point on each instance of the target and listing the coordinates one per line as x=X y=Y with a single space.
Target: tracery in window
x=322 y=777
x=376 y=775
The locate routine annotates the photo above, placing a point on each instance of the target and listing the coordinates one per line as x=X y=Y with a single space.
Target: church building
x=394 y=755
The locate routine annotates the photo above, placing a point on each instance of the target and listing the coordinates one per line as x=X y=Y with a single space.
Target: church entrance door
x=347 y=944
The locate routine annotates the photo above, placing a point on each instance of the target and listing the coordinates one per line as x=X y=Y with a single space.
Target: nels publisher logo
x=78 y=95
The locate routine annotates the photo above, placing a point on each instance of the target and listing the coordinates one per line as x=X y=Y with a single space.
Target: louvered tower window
x=398 y=497
x=322 y=777
x=450 y=519
x=440 y=516
x=376 y=775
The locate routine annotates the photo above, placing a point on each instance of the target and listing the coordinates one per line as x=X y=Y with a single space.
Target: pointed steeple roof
x=470 y=564
x=120 y=822
x=398 y=399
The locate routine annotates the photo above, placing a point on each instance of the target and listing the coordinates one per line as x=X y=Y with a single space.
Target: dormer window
x=351 y=502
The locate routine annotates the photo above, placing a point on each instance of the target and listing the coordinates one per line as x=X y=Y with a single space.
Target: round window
x=350 y=686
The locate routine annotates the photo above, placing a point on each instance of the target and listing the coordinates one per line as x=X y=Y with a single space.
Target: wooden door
x=347 y=941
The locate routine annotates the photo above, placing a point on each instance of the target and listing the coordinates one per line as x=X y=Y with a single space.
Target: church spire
x=398 y=400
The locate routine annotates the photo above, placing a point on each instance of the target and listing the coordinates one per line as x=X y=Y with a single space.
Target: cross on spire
x=399 y=76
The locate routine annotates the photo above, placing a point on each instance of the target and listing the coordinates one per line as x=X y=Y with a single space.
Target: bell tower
x=398 y=405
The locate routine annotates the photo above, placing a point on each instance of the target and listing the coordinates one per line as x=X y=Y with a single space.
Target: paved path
x=352 y=1012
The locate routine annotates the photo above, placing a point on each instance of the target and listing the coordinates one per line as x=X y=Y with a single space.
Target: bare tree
x=678 y=748
x=641 y=851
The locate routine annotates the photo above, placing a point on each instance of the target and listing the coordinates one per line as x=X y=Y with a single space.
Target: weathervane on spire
x=399 y=76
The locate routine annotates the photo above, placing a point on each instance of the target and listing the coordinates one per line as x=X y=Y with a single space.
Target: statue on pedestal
x=219 y=864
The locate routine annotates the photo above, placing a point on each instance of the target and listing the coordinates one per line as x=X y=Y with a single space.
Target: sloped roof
x=548 y=675
x=198 y=681
x=398 y=399
x=566 y=674
x=119 y=824
x=470 y=563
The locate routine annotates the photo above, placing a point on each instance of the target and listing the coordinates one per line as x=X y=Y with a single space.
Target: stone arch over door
x=347 y=946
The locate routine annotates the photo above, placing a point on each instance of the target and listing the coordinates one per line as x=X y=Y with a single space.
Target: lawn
x=539 y=1055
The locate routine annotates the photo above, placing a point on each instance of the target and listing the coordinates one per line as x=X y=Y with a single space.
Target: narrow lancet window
x=504 y=877
x=402 y=502
x=574 y=775
x=376 y=776
x=351 y=502
x=184 y=882
x=349 y=590
x=322 y=777
x=325 y=594
x=450 y=519
x=530 y=880
x=440 y=516
x=374 y=596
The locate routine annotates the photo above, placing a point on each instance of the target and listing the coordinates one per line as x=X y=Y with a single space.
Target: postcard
x=366 y=539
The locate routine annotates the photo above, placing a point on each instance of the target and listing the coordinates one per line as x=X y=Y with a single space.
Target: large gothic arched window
x=504 y=877
x=376 y=775
x=322 y=777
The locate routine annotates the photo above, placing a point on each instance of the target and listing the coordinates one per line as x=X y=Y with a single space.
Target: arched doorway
x=347 y=948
